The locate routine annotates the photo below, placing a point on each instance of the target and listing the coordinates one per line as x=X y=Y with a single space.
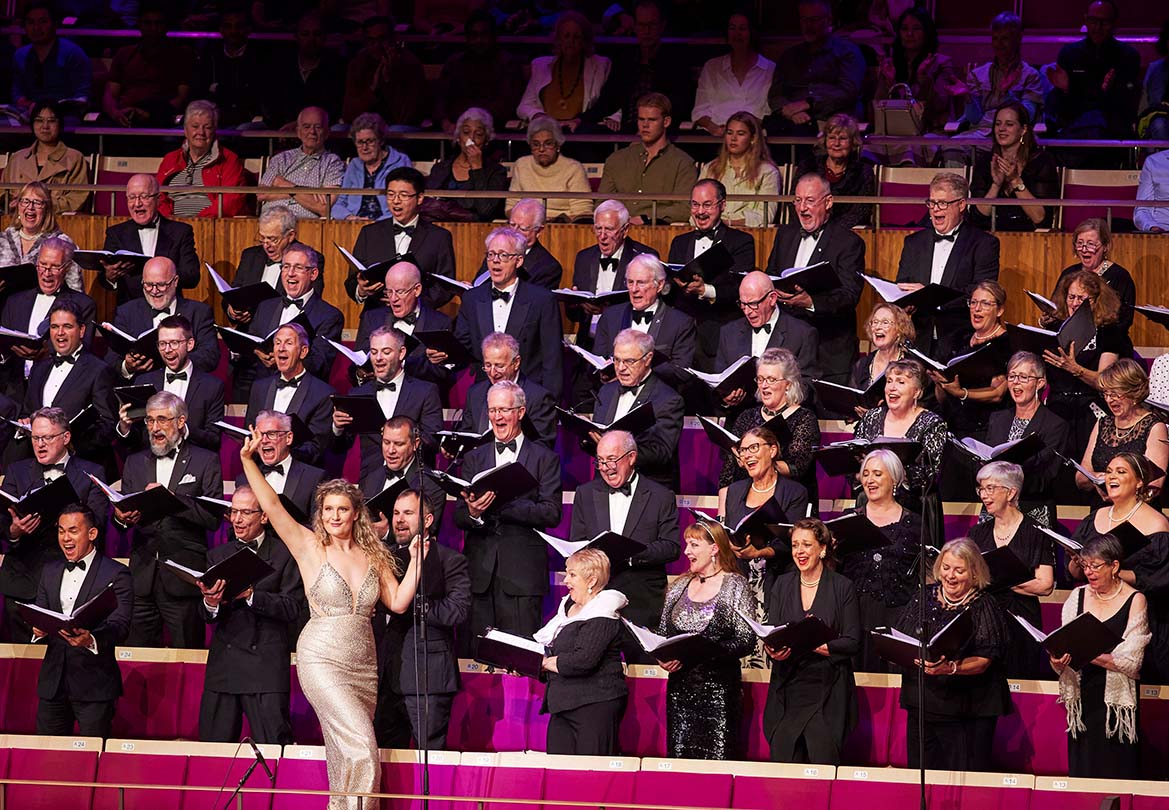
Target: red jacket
x=225 y=170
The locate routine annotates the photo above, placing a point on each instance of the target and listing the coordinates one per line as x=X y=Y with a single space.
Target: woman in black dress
x=811 y=702
x=704 y=699
x=883 y=578
x=837 y=158
x=964 y=696
x=1015 y=168
x=586 y=692
x=469 y=169
x=1092 y=242
x=889 y=330
x=999 y=485
x=1102 y=699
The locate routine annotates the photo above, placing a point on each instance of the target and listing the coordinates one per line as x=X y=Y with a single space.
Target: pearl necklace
x=953 y=603
x=26 y=235
x=1112 y=511
x=1115 y=593
x=765 y=489
x=811 y=584
x=983 y=338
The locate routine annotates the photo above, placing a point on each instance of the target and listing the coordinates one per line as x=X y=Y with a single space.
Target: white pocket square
x=187 y=479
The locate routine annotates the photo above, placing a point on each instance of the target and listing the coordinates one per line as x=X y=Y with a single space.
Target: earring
x=823 y=554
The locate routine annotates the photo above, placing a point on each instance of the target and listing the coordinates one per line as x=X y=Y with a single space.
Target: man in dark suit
x=947 y=253
x=80 y=681
x=161 y=598
x=293 y=480
x=275 y=230
x=637 y=384
x=399 y=467
x=31 y=540
x=151 y=234
x=418 y=669
x=396 y=392
x=673 y=331
x=710 y=302
x=832 y=314
x=160 y=299
x=248 y=672
x=401 y=233
x=622 y=501
x=508 y=560
x=540 y=267
x=526 y=312
x=296 y=392
x=501 y=361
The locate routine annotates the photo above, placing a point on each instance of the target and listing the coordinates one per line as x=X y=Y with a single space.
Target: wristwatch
x=1019 y=186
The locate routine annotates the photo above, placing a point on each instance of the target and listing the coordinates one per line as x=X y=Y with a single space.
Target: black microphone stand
x=247 y=775
x=420 y=610
x=922 y=651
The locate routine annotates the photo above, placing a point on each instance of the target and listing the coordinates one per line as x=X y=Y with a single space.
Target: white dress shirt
x=760 y=339
x=942 y=250
x=271 y=275
x=276 y=479
x=53 y=475
x=619 y=506
x=40 y=311
x=71 y=582
x=149 y=238
x=284 y=395
x=56 y=379
x=506 y=455
x=500 y=309
x=178 y=387
x=164 y=468
x=290 y=311
x=807 y=248
x=389 y=399
x=720 y=95
x=625 y=401
x=402 y=240
x=169 y=310
x=408 y=328
x=643 y=327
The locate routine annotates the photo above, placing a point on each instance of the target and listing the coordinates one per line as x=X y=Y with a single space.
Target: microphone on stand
x=261 y=760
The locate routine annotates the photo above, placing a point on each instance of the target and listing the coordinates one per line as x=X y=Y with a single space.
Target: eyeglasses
x=626 y=362
x=1094 y=566
x=49 y=268
x=752 y=449
x=501 y=410
x=524 y=228
x=809 y=201
x=1109 y=394
x=1015 y=377
x=43 y=440
x=367 y=142
x=403 y=292
x=769 y=380
x=160 y=421
x=883 y=322
x=1078 y=299
x=269 y=240
x=499 y=255
x=610 y=463
x=637 y=284
x=708 y=205
x=978 y=306
x=606 y=230
x=29 y=202
x=988 y=489
x=272 y=435
x=400 y=196
x=942 y=205
x=140 y=197
x=542 y=146
x=297 y=268
x=234 y=513
x=753 y=305
x=489 y=367
x=1088 y=247
x=158 y=286
x=168 y=345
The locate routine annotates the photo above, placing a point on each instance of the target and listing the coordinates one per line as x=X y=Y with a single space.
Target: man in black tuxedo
x=151 y=234
x=526 y=312
x=27 y=311
x=396 y=392
x=637 y=384
x=202 y=392
x=418 y=670
x=293 y=480
x=622 y=501
x=832 y=314
x=248 y=672
x=406 y=313
x=400 y=233
x=296 y=392
x=540 y=267
x=30 y=539
x=501 y=361
x=80 y=681
x=948 y=253
x=508 y=560
x=299 y=270
x=399 y=467
x=276 y=229
x=673 y=331
x=710 y=302
x=159 y=300
x=161 y=598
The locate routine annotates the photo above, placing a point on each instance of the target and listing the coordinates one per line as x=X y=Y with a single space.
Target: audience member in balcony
x=79 y=680
x=1007 y=78
x=34 y=222
x=569 y=82
x=384 y=77
x=201 y=161
x=1153 y=185
x=890 y=331
x=964 y=695
x=1154 y=107
x=49 y=160
x=816 y=237
x=1017 y=168
x=884 y=578
x=248 y=673
x=231 y=74
x=1092 y=243
x=815 y=78
x=470 y=169
x=539 y=267
x=49 y=69
x=737 y=82
x=811 y=700
x=744 y=166
x=1096 y=81
x=260 y=263
x=651 y=165
x=483 y=76
x=502 y=361
x=586 y=693
x=150 y=81
x=837 y=158
x=1101 y=697
x=310 y=164
x=704 y=698
x=312 y=76
x=375 y=160
x=547 y=170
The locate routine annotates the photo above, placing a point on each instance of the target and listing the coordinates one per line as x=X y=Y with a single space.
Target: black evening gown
x=1043 y=471
x=704 y=701
x=1071 y=399
x=1111 y=442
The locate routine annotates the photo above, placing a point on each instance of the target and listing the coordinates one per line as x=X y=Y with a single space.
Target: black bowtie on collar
x=945 y=237
x=500 y=295
x=50 y=467
x=69 y=566
x=711 y=234
x=630 y=389
x=252 y=544
x=385 y=386
x=61 y=359
x=271 y=468
x=406 y=229
x=164 y=312
x=411 y=318
x=178 y=375
x=625 y=489
x=811 y=234
x=293 y=302
x=392 y=475
x=642 y=316
x=508 y=445
x=283 y=383
x=174 y=452
x=608 y=264
x=764 y=328
x=149 y=226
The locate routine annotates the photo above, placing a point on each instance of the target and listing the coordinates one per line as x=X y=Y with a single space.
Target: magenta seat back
x=204 y=771
x=20 y=701
x=1033 y=738
x=116 y=205
x=189 y=699
x=6 y=667
x=117 y=767
x=870 y=739
x=757 y=747
x=968 y=797
x=591 y=788
x=849 y=795
x=406 y=777
x=222 y=371
x=495 y=782
x=643 y=728
x=671 y=787
x=151 y=700
x=306 y=729
x=463 y=382
x=1150 y=803
x=902 y=215
x=51 y=765
x=1154 y=720
x=1076 y=191
x=767 y=793
x=1076 y=800
x=300 y=774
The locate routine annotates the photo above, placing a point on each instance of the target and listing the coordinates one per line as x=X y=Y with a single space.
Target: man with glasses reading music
x=949 y=254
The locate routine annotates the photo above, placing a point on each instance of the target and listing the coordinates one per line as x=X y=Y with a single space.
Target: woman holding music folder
x=811 y=701
x=586 y=692
x=1092 y=244
x=1101 y=698
x=704 y=696
x=883 y=577
x=889 y=330
x=965 y=680
x=1021 y=559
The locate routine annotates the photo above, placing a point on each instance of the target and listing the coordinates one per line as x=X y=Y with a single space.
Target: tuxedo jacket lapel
x=88 y=585
x=636 y=507
x=180 y=467
x=518 y=317
x=53 y=588
x=600 y=499
x=956 y=256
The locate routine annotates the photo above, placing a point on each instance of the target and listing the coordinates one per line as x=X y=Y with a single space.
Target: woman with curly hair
x=346 y=570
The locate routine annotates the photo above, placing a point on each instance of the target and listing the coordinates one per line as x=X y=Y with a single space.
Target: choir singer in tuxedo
x=292 y=478
x=276 y=229
x=80 y=681
x=622 y=501
x=248 y=665
x=400 y=443
x=502 y=361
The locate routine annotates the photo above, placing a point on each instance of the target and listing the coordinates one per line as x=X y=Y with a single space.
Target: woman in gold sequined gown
x=348 y=570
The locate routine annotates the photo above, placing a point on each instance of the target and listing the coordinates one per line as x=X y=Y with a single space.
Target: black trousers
x=181 y=617
x=589 y=730
x=952 y=744
x=521 y=615
x=430 y=718
x=221 y=717
x=56 y=716
x=391 y=723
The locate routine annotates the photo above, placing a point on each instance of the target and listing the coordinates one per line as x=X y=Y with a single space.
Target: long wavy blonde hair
x=363 y=534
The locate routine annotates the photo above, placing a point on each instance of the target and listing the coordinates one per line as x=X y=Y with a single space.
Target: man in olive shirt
x=652 y=165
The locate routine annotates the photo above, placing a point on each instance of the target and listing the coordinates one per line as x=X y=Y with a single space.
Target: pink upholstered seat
x=213 y=771
x=666 y=783
x=151 y=700
x=52 y=765
x=483 y=776
x=768 y=792
x=116 y=767
x=296 y=773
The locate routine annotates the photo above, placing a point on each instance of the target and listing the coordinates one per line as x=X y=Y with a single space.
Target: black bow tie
x=393 y=475
x=174 y=452
x=710 y=234
x=385 y=386
x=811 y=234
x=945 y=237
x=164 y=312
x=411 y=318
x=64 y=358
x=50 y=467
x=609 y=264
x=178 y=375
x=406 y=229
x=149 y=226
x=272 y=468
x=254 y=545
x=283 y=383
x=642 y=316
x=764 y=328
x=625 y=489
x=69 y=566
x=508 y=445
x=629 y=389
x=293 y=302
x=500 y=295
